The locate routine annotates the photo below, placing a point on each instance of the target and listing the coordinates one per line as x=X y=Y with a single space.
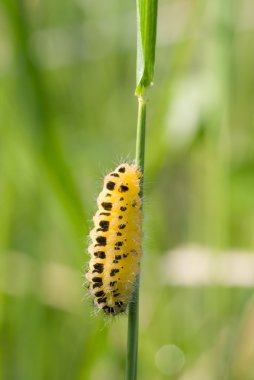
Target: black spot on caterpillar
x=123 y=188
x=98 y=267
x=110 y=185
x=100 y=254
x=100 y=293
x=97 y=279
x=107 y=205
x=101 y=240
x=104 y=225
x=101 y=300
x=118 y=257
x=113 y=272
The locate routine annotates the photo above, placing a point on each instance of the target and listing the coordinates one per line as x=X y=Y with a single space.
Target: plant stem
x=146 y=41
x=132 y=345
x=140 y=139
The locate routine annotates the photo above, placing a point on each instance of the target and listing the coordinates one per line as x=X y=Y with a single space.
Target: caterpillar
x=115 y=247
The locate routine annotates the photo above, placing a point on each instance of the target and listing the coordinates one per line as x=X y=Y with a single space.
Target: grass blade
x=146 y=41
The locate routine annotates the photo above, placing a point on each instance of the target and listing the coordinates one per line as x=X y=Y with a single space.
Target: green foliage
x=199 y=183
x=146 y=41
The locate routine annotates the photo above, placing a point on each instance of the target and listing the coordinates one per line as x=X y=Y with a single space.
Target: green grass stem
x=132 y=344
x=141 y=130
x=146 y=41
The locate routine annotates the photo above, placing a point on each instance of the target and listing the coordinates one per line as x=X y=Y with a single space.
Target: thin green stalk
x=140 y=139
x=146 y=41
x=132 y=344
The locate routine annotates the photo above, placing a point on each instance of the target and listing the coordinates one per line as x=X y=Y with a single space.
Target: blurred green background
x=67 y=117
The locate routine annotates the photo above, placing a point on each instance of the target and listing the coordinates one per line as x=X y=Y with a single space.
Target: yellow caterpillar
x=115 y=247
